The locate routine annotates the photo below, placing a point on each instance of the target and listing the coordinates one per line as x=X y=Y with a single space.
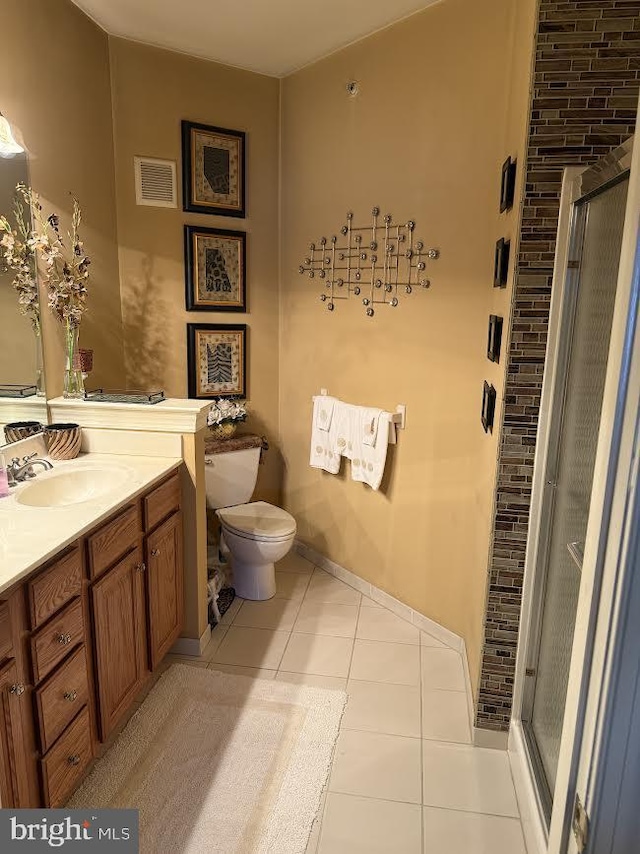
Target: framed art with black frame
x=494 y=338
x=213 y=170
x=501 y=263
x=508 y=184
x=215 y=263
x=488 y=407
x=217 y=360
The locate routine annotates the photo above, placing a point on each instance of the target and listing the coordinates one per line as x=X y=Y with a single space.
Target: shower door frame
x=548 y=823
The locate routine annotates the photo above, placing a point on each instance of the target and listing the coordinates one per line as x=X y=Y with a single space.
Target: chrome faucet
x=18 y=471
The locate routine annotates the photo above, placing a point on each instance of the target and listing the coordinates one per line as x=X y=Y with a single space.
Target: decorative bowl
x=63 y=441
x=223 y=431
x=18 y=430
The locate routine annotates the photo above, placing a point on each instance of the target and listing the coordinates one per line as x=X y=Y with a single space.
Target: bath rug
x=220 y=763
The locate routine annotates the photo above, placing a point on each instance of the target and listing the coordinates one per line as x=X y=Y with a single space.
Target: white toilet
x=257 y=534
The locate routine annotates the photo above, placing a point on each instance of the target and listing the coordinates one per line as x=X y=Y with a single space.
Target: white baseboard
x=192 y=646
x=399 y=608
x=490 y=738
x=531 y=815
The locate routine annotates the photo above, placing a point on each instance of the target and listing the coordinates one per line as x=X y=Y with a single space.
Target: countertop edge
x=49 y=554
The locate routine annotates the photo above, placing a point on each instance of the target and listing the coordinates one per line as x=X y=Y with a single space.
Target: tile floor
x=405 y=777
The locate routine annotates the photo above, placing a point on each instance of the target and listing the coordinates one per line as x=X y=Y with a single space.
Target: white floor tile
x=452 y=832
x=462 y=777
x=377 y=766
x=381 y=625
x=442 y=668
x=325 y=618
x=445 y=716
x=325 y=588
x=237 y=670
x=378 y=707
x=319 y=654
x=252 y=648
x=334 y=683
x=293 y=562
x=276 y=614
x=376 y=661
x=369 y=603
x=217 y=636
x=354 y=825
x=291 y=585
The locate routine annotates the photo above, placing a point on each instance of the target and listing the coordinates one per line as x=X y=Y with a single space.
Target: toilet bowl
x=257 y=536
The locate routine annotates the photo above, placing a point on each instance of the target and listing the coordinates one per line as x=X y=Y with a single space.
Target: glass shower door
x=594 y=254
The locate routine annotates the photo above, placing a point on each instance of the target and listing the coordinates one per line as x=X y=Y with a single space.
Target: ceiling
x=273 y=37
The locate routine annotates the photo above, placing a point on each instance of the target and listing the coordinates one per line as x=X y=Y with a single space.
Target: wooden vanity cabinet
x=119 y=626
x=78 y=639
x=19 y=783
x=137 y=603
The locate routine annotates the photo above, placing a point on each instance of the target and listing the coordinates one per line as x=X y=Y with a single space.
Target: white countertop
x=29 y=536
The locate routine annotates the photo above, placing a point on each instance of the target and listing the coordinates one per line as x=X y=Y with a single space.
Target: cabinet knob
x=155 y=552
x=70 y=695
x=74 y=760
x=17 y=689
x=140 y=567
x=64 y=639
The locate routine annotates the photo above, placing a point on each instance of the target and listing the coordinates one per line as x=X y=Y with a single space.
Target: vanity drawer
x=59 y=699
x=6 y=639
x=65 y=764
x=50 y=644
x=54 y=587
x=114 y=540
x=161 y=502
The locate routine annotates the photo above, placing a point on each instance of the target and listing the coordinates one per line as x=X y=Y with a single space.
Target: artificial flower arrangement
x=225 y=415
x=19 y=256
x=66 y=271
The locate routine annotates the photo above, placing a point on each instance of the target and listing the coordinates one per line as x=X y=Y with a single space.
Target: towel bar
x=397 y=419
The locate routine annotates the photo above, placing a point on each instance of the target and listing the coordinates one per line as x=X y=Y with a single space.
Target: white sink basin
x=60 y=489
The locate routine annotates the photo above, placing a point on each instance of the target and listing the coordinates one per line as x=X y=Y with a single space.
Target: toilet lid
x=258 y=519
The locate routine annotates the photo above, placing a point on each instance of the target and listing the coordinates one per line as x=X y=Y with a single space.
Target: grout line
x=423 y=806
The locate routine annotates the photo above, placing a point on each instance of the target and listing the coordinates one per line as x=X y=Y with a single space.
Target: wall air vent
x=155 y=182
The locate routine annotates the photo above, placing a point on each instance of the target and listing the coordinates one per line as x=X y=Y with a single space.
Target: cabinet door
x=164 y=586
x=13 y=761
x=120 y=638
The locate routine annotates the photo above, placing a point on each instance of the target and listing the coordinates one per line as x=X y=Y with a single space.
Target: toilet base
x=256 y=582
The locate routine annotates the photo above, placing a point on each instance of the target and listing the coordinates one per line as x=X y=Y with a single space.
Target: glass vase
x=39 y=379
x=73 y=381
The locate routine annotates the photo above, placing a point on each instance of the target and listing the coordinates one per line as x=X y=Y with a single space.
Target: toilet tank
x=230 y=477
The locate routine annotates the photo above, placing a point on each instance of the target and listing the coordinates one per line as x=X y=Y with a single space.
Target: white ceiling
x=272 y=37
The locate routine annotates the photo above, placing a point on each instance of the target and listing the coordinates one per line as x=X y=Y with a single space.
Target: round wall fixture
x=352 y=88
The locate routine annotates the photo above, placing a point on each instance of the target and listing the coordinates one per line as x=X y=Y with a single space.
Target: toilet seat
x=258 y=520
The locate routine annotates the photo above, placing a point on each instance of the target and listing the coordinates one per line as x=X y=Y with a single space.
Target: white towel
x=367 y=463
x=323 y=416
x=369 y=420
x=324 y=453
x=347 y=421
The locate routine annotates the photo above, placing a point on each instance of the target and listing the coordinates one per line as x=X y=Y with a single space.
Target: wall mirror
x=22 y=384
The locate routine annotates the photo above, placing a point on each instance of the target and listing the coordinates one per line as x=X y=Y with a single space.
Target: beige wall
x=425 y=139
x=54 y=67
x=153 y=90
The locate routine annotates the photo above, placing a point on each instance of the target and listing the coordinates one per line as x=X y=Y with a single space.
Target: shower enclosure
x=590 y=289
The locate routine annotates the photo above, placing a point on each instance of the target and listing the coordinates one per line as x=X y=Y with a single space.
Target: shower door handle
x=576 y=550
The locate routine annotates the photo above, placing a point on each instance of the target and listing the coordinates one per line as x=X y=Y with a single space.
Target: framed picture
x=213 y=170
x=508 y=184
x=488 y=407
x=494 y=338
x=501 y=263
x=217 y=360
x=215 y=269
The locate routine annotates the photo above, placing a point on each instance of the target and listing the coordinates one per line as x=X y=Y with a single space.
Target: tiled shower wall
x=585 y=95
